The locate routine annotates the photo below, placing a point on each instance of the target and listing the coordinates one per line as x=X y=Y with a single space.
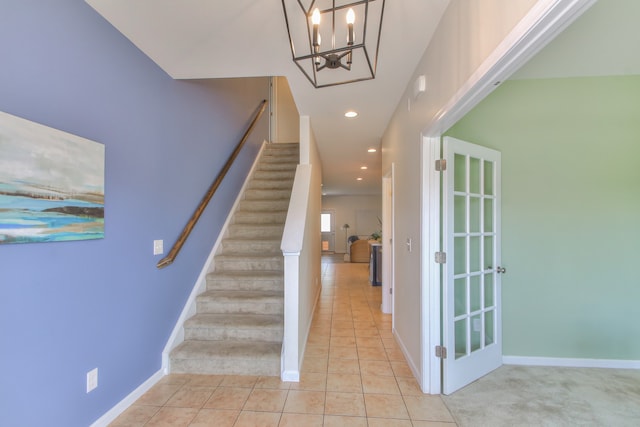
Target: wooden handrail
x=173 y=253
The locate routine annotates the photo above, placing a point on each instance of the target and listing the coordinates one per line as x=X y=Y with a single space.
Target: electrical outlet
x=158 y=247
x=92 y=379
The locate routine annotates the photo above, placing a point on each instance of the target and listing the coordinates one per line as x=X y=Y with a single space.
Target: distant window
x=325 y=223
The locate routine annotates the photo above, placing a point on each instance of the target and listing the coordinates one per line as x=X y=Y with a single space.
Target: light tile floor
x=353 y=374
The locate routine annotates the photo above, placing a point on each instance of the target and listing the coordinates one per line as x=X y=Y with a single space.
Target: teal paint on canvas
x=51 y=184
x=570 y=213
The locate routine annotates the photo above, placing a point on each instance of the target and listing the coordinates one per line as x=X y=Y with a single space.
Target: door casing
x=387 y=242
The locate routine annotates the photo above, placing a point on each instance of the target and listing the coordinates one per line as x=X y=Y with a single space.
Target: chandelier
x=334 y=42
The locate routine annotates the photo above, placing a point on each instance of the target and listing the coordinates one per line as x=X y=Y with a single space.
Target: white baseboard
x=571 y=363
x=290 y=376
x=414 y=369
x=125 y=403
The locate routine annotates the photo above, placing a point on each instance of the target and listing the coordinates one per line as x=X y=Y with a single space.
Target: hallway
x=353 y=374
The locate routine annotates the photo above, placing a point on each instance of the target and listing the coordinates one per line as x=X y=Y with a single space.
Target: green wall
x=570 y=213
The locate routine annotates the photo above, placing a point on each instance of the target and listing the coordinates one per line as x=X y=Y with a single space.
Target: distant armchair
x=360 y=251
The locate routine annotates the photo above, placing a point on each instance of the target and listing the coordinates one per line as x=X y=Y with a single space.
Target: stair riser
x=289 y=167
x=260 y=218
x=227 y=366
x=263 y=205
x=247 y=264
x=250 y=247
x=219 y=334
x=245 y=307
x=292 y=152
x=270 y=174
x=245 y=231
x=286 y=158
x=214 y=284
x=259 y=194
x=282 y=148
x=270 y=184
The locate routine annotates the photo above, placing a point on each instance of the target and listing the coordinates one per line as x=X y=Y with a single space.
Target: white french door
x=471 y=312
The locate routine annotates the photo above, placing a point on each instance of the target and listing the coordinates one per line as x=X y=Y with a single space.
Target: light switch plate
x=92 y=379
x=158 y=247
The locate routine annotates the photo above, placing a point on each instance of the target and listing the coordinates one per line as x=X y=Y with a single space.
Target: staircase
x=239 y=320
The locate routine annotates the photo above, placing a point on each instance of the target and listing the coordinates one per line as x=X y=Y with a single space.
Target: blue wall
x=66 y=308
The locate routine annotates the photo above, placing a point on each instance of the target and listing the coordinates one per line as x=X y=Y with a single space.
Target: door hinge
x=441 y=352
x=391 y=291
x=441 y=257
x=441 y=165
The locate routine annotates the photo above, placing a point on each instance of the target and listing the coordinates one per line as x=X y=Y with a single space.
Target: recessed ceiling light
x=372 y=150
x=358 y=179
x=351 y=114
x=364 y=168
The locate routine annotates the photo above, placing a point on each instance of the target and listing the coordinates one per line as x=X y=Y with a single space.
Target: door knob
x=500 y=270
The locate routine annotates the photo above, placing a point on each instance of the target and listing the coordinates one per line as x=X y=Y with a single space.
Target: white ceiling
x=247 y=38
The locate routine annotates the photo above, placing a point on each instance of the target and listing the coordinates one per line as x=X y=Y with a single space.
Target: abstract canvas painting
x=51 y=184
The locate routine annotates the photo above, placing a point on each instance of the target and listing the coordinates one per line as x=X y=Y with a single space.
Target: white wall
x=285 y=123
x=311 y=256
x=467 y=34
x=354 y=210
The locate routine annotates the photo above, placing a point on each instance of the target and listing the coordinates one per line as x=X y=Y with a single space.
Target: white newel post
x=290 y=347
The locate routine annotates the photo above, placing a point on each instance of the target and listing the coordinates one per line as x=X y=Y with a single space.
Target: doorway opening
x=328 y=230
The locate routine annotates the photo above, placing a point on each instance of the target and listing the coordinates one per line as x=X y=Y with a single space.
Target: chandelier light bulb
x=351 y=17
x=315 y=20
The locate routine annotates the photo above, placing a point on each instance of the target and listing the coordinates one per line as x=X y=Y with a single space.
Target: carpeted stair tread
x=260 y=217
x=236 y=349
x=239 y=320
x=227 y=358
x=252 y=257
x=246 y=280
x=256 y=231
x=228 y=296
x=246 y=275
x=250 y=302
x=250 y=246
x=248 y=262
x=236 y=321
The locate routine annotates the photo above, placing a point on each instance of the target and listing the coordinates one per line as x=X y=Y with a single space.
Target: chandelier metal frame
x=314 y=58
